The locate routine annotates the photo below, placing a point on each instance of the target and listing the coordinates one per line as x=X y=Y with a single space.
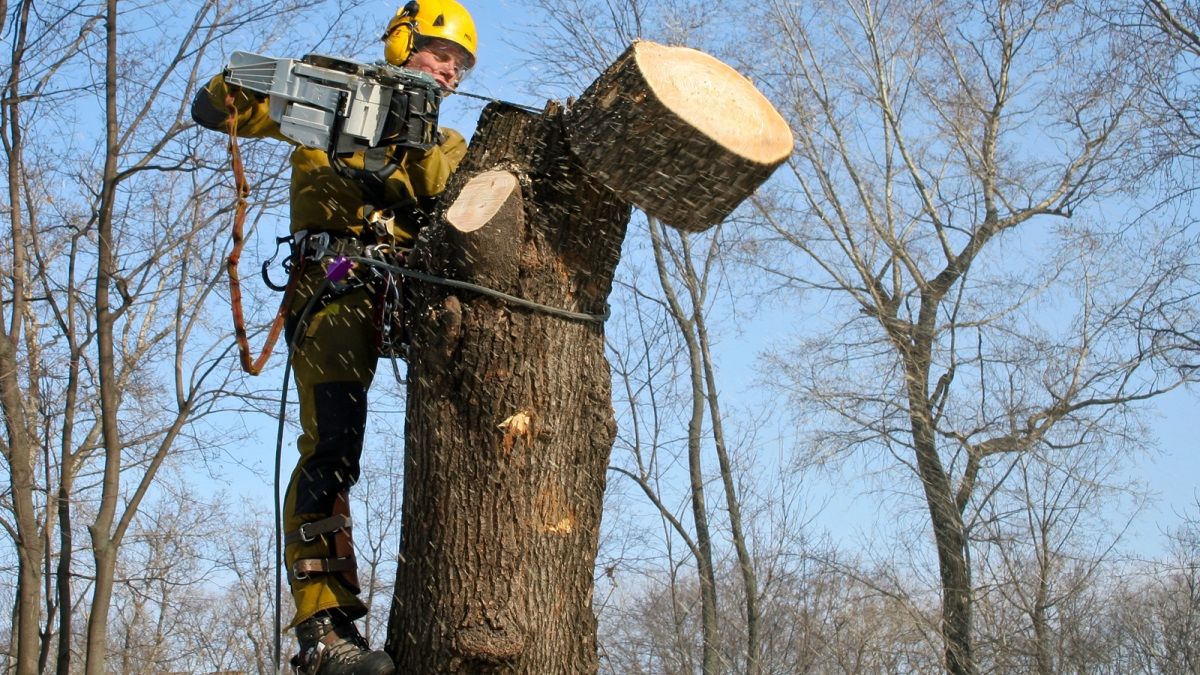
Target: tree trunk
x=63 y=572
x=705 y=568
x=19 y=443
x=1040 y=618
x=510 y=419
x=104 y=549
x=949 y=533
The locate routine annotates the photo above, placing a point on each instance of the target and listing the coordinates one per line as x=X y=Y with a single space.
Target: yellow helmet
x=444 y=19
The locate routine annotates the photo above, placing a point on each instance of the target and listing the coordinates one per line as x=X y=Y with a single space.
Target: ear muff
x=400 y=38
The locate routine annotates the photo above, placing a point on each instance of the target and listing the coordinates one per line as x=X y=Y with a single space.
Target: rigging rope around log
x=250 y=364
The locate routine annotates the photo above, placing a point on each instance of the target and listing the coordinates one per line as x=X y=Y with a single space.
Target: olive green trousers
x=333 y=363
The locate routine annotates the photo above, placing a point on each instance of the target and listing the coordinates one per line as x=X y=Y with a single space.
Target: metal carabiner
x=288 y=263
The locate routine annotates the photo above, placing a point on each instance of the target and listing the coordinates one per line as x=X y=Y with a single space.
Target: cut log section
x=678 y=133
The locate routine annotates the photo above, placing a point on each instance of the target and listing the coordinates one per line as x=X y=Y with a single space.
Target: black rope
x=484 y=290
x=287 y=372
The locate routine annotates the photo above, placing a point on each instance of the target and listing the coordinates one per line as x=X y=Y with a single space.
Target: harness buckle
x=383 y=224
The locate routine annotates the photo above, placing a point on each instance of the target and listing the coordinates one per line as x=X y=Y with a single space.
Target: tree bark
x=949 y=532
x=705 y=567
x=510 y=421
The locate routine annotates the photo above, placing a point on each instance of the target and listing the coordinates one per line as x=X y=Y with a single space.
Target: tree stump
x=510 y=420
x=678 y=133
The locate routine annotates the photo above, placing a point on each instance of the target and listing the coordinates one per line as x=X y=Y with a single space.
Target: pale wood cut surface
x=716 y=100
x=480 y=200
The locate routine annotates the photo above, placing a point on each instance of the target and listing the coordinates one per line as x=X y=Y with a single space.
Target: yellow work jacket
x=324 y=200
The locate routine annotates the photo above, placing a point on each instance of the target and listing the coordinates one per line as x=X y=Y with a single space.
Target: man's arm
x=253 y=111
x=430 y=172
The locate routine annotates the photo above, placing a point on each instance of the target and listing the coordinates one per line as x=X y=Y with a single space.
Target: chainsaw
x=342 y=106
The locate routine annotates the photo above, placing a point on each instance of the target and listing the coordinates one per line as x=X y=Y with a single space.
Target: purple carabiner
x=339 y=268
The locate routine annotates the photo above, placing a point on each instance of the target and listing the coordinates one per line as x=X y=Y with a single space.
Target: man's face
x=442 y=59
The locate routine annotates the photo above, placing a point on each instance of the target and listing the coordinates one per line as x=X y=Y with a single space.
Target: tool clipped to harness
x=331 y=286
x=338 y=269
x=288 y=264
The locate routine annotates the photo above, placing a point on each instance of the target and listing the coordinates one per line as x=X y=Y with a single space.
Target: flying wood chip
x=678 y=133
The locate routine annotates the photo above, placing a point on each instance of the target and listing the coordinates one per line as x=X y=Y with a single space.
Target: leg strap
x=310 y=531
x=335 y=533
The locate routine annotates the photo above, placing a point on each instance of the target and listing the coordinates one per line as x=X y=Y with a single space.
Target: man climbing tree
x=376 y=198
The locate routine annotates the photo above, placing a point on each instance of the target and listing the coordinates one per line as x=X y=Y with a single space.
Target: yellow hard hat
x=442 y=19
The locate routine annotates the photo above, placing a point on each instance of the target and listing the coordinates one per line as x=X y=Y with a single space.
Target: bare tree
x=1166 y=37
x=1042 y=543
x=110 y=356
x=1169 y=31
x=238 y=617
x=923 y=209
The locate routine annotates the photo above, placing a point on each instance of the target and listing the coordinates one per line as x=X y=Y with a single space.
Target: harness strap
x=310 y=531
x=302 y=568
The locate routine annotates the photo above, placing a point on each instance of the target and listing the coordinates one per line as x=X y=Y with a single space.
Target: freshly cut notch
x=481 y=199
x=678 y=133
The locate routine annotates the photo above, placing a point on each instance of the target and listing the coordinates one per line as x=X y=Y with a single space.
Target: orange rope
x=251 y=365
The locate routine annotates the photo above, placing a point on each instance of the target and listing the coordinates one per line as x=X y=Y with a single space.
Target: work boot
x=331 y=646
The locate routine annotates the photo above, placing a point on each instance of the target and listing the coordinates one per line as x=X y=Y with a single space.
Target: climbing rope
x=283 y=397
x=484 y=290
